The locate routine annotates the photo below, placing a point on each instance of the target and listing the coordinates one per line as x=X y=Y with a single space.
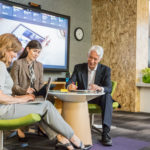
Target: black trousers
x=105 y=102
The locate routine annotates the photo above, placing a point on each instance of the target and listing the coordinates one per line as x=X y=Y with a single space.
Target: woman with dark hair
x=17 y=106
x=26 y=72
x=34 y=44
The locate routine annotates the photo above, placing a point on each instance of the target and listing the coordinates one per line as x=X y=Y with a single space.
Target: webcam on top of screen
x=34 y=5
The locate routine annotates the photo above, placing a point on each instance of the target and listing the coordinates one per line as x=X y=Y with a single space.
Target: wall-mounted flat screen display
x=51 y=29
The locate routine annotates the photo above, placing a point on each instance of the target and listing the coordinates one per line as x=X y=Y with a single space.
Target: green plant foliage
x=146 y=75
x=146 y=71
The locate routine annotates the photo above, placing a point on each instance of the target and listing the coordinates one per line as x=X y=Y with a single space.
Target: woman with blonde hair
x=17 y=106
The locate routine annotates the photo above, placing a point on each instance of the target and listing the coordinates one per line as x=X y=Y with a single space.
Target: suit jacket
x=102 y=78
x=21 y=77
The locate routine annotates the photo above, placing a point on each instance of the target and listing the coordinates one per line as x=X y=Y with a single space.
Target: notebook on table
x=83 y=91
x=40 y=99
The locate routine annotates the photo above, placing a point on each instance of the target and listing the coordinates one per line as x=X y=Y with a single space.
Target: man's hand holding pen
x=72 y=86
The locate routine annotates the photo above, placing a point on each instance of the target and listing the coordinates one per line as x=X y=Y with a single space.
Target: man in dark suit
x=95 y=76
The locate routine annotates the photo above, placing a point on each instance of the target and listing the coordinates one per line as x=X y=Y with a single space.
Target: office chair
x=95 y=109
x=11 y=124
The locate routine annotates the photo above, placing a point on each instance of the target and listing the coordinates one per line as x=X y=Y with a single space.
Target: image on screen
x=51 y=30
x=25 y=35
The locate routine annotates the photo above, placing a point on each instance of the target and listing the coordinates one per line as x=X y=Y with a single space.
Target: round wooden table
x=75 y=112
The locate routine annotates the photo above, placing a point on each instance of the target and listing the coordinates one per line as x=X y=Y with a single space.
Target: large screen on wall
x=51 y=29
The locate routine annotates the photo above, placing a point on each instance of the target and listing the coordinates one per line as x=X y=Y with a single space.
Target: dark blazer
x=102 y=78
x=21 y=78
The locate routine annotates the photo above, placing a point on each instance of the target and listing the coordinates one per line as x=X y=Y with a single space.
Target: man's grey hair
x=98 y=49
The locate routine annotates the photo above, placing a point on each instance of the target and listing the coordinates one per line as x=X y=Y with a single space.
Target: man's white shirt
x=91 y=77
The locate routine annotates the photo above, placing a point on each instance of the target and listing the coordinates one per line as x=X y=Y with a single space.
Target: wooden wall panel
x=114 y=25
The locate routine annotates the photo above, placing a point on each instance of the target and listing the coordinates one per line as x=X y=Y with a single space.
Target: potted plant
x=146 y=75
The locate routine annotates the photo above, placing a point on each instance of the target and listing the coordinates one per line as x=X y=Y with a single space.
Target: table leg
x=77 y=116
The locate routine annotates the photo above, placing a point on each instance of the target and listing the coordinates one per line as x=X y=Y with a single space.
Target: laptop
x=48 y=87
x=45 y=89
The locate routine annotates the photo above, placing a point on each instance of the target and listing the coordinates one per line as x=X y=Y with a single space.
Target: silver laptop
x=48 y=87
x=40 y=99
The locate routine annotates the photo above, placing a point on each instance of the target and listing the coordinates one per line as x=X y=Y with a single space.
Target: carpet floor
x=132 y=132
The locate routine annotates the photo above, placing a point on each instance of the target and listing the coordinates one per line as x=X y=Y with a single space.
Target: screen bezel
x=49 y=13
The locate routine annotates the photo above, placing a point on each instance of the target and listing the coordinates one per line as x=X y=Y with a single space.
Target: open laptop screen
x=48 y=87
